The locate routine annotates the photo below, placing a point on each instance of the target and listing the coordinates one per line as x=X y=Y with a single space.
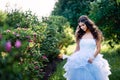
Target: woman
x=86 y=63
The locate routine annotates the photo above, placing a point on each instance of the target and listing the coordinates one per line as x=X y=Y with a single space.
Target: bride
x=86 y=63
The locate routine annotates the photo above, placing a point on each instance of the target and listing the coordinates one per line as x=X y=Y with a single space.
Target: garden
x=30 y=47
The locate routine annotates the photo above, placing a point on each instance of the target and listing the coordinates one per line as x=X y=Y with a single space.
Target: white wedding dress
x=77 y=66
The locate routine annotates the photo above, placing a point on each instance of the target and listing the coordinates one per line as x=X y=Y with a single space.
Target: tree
x=107 y=17
x=105 y=13
x=72 y=9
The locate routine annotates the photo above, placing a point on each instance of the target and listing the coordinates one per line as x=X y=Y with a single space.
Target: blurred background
x=34 y=32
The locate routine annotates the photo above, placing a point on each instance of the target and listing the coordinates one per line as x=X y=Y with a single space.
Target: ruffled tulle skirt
x=77 y=67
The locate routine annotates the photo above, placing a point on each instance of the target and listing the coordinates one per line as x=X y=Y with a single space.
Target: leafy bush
x=3 y=17
x=20 y=56
x=58 y=35
x=28 y=44
x=17 y=18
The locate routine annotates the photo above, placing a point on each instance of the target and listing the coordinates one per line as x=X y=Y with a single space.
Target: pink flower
x=8 y=46
x=41 y=70
x=14 y=33
x=17 y=35
x=44 y=57
x=30 y=41
x=36 y=67
x=18 y=43
x=28 y=37
x=8 y=30
x=34 y=34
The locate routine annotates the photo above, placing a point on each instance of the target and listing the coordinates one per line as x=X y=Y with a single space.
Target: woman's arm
x=98 y=44
x=98 y=48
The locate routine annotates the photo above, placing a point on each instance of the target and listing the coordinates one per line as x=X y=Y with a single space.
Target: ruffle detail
x=98 y=70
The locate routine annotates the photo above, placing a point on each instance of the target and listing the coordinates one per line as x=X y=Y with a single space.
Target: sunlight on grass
x=104 y=47
x=71 y=49
x=113 y=57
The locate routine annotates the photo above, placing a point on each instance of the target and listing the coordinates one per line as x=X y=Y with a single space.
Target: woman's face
x=82 y=26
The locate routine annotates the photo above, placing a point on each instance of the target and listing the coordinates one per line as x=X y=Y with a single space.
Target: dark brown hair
x=91 y=26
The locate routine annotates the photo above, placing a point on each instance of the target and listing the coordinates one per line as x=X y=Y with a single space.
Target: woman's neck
x=87 y=35
x=88 y=31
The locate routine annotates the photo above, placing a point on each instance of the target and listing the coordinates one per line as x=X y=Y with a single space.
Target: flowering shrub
x=17 y=18
x=58 y=35
x=20 y=57
x=31 y=45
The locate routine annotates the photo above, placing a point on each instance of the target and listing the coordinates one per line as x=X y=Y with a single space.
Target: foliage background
x=42 y=40
x=40 y=43
x=105 y=13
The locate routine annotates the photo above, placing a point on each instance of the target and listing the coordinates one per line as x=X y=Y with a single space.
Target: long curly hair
x=97 y=34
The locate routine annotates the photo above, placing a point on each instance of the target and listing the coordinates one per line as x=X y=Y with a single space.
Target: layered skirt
x=77 y=67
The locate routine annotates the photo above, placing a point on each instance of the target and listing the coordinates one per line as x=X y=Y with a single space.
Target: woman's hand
x=90 y=60
x=60 y=56
x=63 y=56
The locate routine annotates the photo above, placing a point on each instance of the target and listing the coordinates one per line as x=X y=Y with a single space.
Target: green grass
x=58 y=75
x=113 y=57
x=111 y=54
